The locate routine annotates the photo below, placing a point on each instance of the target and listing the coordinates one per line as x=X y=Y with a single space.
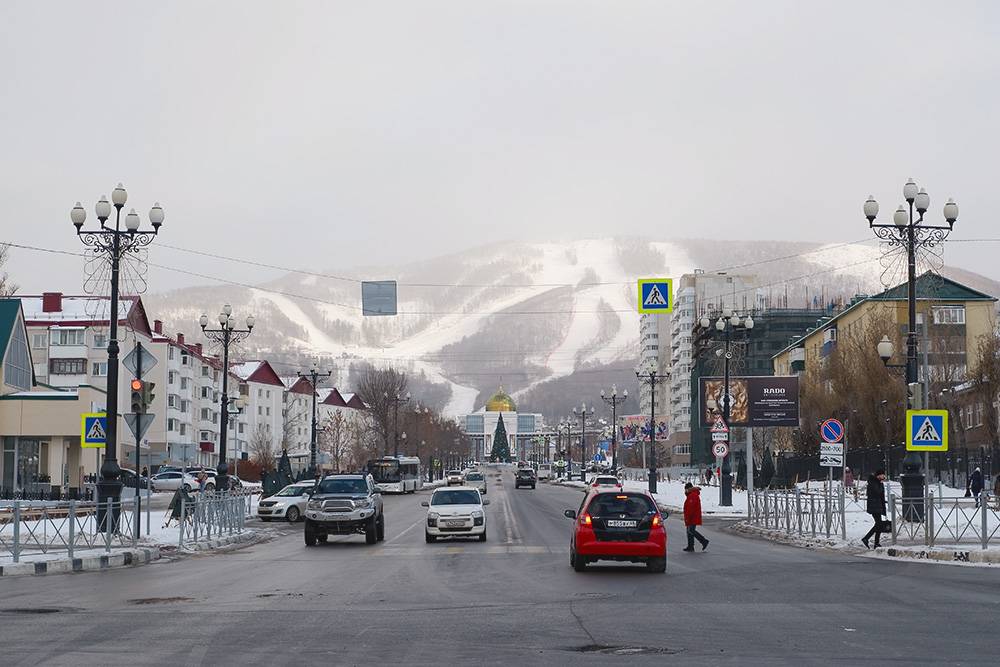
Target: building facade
x=521 y=427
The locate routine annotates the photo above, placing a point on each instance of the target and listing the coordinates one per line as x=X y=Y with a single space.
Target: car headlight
x=315 y=504
x=364 y=502
x=477 y=514
x=433 y=515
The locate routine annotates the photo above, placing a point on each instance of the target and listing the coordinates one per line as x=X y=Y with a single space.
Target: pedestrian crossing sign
x=656 y=295
x=93 y=429
x=927 y=430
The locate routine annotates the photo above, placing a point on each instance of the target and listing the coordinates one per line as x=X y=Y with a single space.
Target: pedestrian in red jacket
x=692 y=516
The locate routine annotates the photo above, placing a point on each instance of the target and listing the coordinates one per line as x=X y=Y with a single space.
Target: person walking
x=875 y=506
x=976 y=485
x=692 y=516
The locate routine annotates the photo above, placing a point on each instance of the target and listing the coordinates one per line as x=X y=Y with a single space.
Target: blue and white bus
x=396 y=474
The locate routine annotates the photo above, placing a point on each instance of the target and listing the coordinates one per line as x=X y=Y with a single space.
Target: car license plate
x=618 y=523
x=455 y=523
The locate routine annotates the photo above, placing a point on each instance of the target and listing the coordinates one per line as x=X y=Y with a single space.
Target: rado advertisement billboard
x=762 y=400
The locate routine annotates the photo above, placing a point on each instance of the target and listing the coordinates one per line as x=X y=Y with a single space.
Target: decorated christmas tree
x=501 y=447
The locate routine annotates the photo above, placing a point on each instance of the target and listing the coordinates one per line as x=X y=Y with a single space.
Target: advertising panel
x=762 y=400
x=634 y=428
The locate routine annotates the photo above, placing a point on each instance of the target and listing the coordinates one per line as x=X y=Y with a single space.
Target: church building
x=481 y=427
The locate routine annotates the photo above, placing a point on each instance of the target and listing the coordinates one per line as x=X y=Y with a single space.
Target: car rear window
x=474 y=476
x=631 y=505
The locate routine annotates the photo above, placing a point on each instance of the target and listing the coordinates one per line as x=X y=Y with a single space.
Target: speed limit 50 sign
x=720 y=449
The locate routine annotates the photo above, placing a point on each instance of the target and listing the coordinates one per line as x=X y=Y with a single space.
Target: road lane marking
x=406 y=530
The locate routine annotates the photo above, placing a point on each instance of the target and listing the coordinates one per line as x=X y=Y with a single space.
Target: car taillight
x=656 y=521
x=585 y=519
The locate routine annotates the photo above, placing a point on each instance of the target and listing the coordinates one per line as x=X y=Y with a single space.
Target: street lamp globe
x=748 y=322
x=250 y=322
x=720 y=324
x=705 y=323
x=885 y=349
x=103 y=208
x=119 y=196
x=132 y=220
x=951 y=211
x=223 y=319
x=78 y=215
x=203 y=321
x=910 y=191
x=922 y=201
x=625 y=393
x=156 y=215
x=900 y=217
x=871 y=208
x=227 y=309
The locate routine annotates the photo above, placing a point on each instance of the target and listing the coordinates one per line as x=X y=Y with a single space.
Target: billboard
x=636 y=427
x=763 y=400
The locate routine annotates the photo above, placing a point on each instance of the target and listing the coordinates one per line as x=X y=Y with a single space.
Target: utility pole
x=315 y=377
x=652 y=378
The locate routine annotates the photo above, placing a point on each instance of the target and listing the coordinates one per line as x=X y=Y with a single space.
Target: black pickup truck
x=525 y=477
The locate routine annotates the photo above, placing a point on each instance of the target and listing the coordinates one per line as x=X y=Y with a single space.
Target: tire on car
x=293 y=514
x=380 y=529
x=310 y=534
x=656 y=564
x=371 y=531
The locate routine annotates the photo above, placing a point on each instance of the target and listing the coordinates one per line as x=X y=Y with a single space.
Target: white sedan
x=456 y=512
x=171 y=481
x=289 y=503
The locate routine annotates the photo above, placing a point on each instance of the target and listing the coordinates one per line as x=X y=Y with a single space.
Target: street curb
x=940 y=554
x=130 y=558
x=239 y=539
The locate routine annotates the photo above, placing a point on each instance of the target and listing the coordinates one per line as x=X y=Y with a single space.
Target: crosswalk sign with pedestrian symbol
x=93 y=429
x=656 y=295
x=927 y=430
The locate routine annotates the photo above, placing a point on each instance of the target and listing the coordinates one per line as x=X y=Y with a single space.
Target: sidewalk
x=671 y=495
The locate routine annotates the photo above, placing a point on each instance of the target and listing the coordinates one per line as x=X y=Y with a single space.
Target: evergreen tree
x=501 y=447
x=766 y=468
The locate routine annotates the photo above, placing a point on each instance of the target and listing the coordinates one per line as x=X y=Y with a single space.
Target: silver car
x=476 y=480
x=289 y=503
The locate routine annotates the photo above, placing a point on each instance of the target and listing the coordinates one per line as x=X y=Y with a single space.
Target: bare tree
x=377 y=388
x=984 y=375
x=262 y=451
x=7 y=287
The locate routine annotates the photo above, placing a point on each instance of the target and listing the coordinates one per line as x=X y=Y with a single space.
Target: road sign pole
x=138 y=467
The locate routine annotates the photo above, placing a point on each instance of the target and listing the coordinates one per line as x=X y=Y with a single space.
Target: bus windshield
x=384 y=471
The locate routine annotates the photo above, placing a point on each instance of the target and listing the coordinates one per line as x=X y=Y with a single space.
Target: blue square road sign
x=927 y=430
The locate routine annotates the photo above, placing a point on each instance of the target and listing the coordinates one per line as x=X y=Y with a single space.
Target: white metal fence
x=948 y=521
x=812 y=514
x=29 y=528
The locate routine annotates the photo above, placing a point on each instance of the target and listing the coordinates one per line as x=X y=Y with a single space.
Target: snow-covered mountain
x=524 y=314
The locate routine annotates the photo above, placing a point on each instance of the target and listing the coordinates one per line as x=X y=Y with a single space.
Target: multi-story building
x=297 y=415
x=264 y=393
x=696 y=293
x=654 y=352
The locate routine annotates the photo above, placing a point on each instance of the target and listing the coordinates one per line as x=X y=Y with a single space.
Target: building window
x=241 y=427
x=100 y=341
x=171 y=377
x=184 y=383
x=268 y=393
x=170 y=354
x=206 y=414
x=949 y=314
x=185 y=359
x=260 y=410
x=171 y=424
x=269 y=412
x=206 y=436
x=206 y=392
x=173 y=400
x=17 y=368
x=99 y=368
x=39 y=341
x=67 y=337
x=185 y=406
x=204 y=371
x=67 y=366
x=183 y=430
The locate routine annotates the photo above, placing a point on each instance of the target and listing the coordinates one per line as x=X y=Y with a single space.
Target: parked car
x=289 y=503
x=525 y=477
x=618 y=526
x=345 y=505
x=131 y=480
x=171 y=481
x=453 y=477
x=476 y=480
x=456 y=512
x=544 y=471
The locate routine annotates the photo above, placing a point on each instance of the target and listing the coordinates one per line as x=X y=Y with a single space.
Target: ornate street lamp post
x=225 y=336
x=614 y=400
x=652 y=378
x=114 y=244
x=396 y=401
x=910 y=234
x=727 y=324
x=583 y=414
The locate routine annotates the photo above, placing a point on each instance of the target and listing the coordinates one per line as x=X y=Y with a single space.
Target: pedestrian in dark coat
x=976 y=484
x=692 y=516
x=875 y=506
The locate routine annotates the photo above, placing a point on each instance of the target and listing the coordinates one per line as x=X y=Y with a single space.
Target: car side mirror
x=486 y=502
x=424 y=503
x=570 y=514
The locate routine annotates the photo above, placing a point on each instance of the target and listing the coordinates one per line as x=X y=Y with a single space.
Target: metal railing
x=30 y=528
x=795 y=512
x=948 y=521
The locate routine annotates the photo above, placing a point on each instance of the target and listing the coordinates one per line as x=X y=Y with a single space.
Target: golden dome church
x=521 y=427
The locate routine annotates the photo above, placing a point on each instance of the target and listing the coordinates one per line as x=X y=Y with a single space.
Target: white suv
x=456 y=512
x=477 y=480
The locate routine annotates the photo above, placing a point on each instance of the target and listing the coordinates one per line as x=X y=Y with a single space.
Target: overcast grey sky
x=328 y=134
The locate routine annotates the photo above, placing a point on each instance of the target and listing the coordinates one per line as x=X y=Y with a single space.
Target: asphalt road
x=512 y=600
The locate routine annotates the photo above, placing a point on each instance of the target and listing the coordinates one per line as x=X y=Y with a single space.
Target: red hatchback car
x=620 y=526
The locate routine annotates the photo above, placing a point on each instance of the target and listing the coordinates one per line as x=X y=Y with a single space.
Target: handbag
x=886 y=526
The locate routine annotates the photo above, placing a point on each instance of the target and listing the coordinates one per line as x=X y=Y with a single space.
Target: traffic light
x=137 y=396
x=147 y=395
x=915 y=392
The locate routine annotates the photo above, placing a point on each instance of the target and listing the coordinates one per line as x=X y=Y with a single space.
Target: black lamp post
x=315 y=377
x=583 y=414
x=614 y=400
x=728 y=323
x=114 y=244
x=225 y=336
x=566 y=424
x=396 y=401
x=652 y=378
x=910 y=234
